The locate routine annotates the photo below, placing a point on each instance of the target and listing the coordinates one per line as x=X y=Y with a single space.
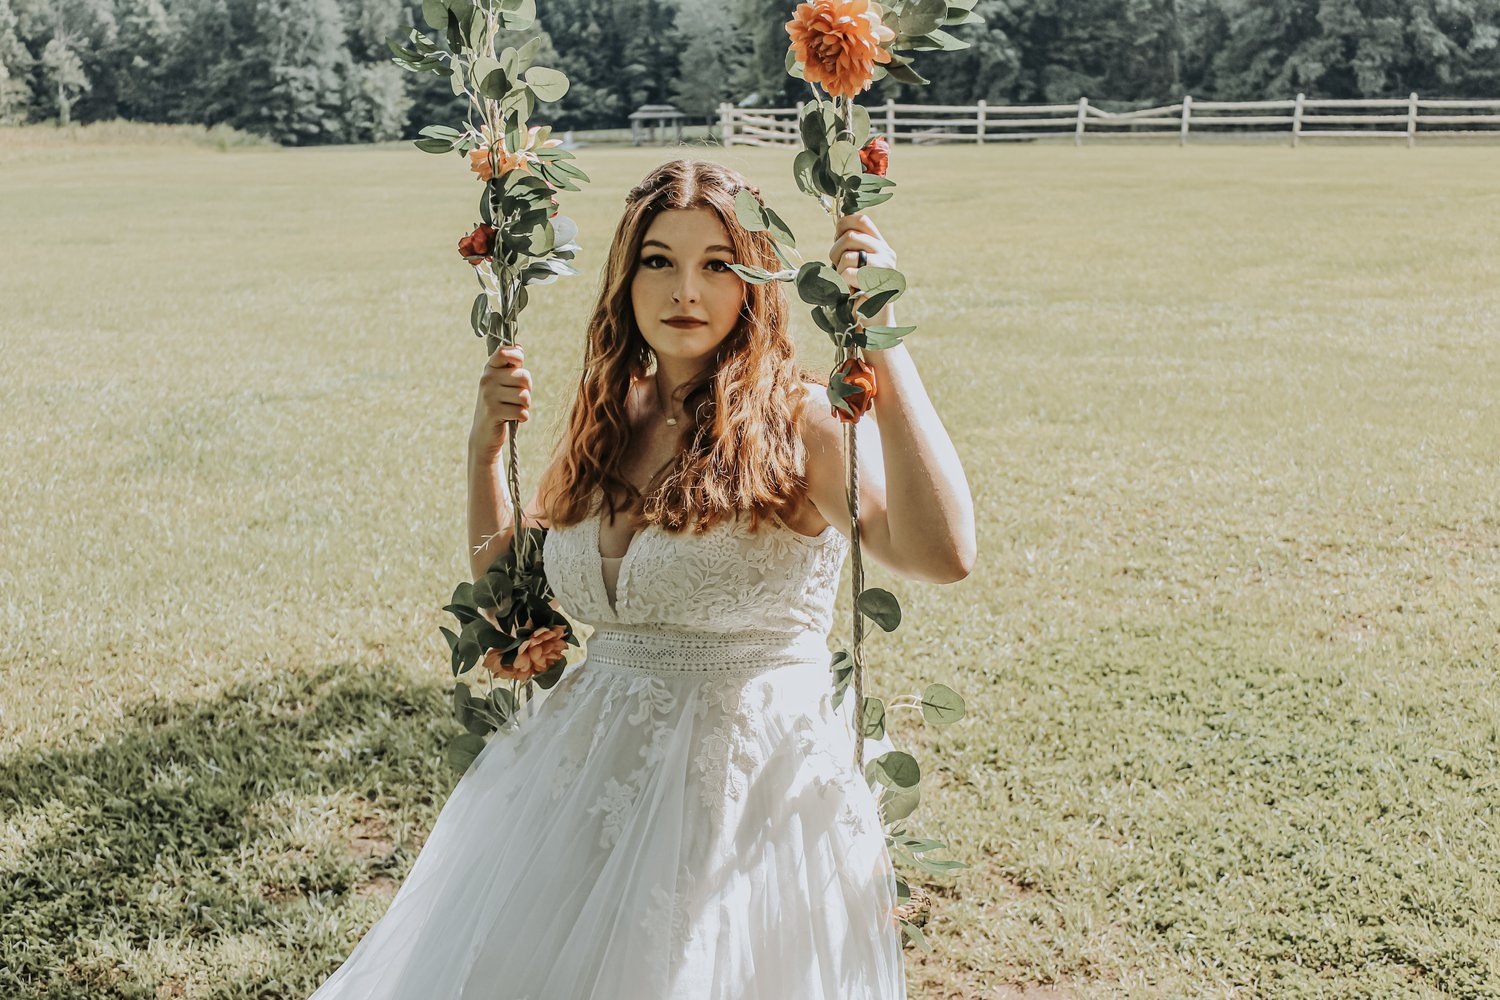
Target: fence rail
x=1301 y=118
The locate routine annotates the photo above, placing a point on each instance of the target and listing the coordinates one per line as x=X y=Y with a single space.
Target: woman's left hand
x=855 y=233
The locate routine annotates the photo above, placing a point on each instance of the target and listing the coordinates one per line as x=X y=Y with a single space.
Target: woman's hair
x=743 y=450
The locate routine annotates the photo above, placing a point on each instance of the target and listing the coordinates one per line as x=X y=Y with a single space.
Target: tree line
x=318 y=71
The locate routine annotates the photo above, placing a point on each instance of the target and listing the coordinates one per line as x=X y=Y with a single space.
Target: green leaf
x=859 y=121
x=820 y=285
x=440 y=132
x=921 y=17
x=779 y=229
x=914 y=932
x=802 y=170
x=748 y=209
x=433 y=145
x=793 y=67
x=786 y=261
x=823 y=320
x=503 y=703
x=548 y=85
x=920 y=846
x=528 y=53
x=811 y=125
x=874 y=718
x=493 y=83
x=566 y=229
x=903 y=73
x=958 y=17
x=874 y=280
x=842 y=668
x=894 y=769
x=877 y=341
x=520 y=18
x=938 y=41
x=899 y=803
x=462 y=750
x=435 y=13
x=891 y=332
x=843 y=158
x=752 y=275
x=942 y=705
x=881 y=607
x=478 y=314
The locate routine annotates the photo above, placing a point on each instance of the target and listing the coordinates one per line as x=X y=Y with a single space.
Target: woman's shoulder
x=815 y=420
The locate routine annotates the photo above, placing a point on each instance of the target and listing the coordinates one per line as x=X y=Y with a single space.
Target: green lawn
x=1230 y=418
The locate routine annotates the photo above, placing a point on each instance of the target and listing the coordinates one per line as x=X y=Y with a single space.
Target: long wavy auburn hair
x=743 y=452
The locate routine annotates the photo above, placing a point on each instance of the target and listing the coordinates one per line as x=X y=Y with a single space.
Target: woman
x=681 y=819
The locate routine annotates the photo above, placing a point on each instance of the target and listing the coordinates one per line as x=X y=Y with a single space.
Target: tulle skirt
x=654 y=832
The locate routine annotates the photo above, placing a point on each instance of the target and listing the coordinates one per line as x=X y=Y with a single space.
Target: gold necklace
x=671 y=421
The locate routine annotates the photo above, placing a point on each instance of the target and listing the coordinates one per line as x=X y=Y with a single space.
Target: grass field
x=1229 y=415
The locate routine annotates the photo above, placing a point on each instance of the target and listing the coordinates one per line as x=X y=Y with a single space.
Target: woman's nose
x=686 y=291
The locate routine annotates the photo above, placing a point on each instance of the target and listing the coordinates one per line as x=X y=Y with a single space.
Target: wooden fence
x=1302 y=118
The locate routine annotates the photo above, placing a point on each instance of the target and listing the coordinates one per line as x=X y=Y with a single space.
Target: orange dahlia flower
x=838 y=43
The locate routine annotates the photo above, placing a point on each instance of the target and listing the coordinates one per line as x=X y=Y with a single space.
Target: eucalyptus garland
x=839 y=47
x=509 y=625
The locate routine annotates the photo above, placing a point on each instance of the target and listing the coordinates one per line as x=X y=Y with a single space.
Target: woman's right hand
x=504 y=394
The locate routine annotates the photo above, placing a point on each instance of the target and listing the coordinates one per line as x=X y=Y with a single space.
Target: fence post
x=726 y=123
x=1083 y=110
x=1297 y=120
x=1411 y=120
x=1187 y=116
x=979 y=125
x=890 y=120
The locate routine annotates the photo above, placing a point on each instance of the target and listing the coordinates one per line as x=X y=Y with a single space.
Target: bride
x=681 y=819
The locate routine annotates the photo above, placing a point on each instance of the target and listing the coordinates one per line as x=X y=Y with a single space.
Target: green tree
x=713 y=57
x=62 y=72
x=15 y=69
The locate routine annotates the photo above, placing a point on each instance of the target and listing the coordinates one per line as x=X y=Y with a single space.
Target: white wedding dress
x=680 y=820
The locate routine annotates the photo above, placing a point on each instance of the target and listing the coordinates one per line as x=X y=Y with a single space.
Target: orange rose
x=861 y=376
x=838 y=43
x=539 y=651
x=477 y=245
x=875 y=157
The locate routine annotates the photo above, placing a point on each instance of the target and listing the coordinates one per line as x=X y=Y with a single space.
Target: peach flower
x=861 y=375
x=508 y=160
x=838 y=43
x=539 y=651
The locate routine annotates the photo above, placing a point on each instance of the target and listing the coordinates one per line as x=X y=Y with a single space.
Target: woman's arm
x=504 y=394
x=916 y=512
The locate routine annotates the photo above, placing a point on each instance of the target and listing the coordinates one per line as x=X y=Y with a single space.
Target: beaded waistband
x=662 y=651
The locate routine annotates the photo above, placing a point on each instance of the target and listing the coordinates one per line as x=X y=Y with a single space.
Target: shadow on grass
x=132 y=857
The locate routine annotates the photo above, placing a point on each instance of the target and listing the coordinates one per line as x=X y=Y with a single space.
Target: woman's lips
x=686 y=324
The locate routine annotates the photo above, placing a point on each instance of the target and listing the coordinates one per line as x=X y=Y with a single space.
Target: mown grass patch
x=1230 y=420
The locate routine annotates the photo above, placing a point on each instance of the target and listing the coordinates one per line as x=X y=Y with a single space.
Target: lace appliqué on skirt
x=619 y=797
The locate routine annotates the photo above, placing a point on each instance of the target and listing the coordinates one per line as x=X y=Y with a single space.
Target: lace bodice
x=724 y=580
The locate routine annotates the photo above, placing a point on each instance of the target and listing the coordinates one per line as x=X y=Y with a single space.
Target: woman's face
x=683 y=271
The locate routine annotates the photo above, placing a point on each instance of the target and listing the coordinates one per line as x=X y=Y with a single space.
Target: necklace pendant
x=671 y=421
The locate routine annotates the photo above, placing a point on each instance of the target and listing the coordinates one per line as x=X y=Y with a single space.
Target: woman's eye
x=722 y=263
x=650 y=261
